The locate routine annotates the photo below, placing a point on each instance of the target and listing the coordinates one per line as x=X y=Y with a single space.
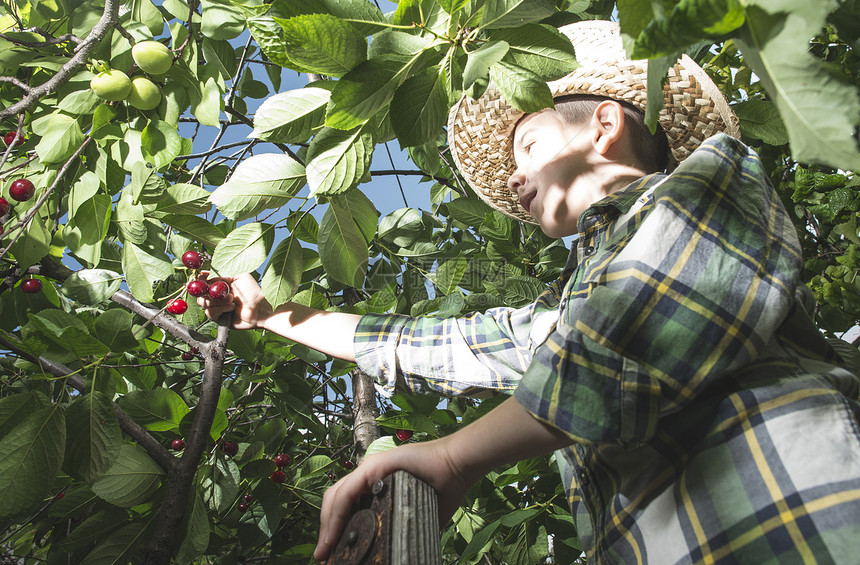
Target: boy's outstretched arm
x=450 y=465
x=329 y=332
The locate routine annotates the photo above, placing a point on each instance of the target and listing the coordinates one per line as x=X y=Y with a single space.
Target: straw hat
x=480 y=131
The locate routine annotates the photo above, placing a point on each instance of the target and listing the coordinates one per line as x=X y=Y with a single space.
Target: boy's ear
x=608 y=121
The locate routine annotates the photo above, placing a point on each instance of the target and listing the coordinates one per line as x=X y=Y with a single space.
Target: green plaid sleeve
x=469 y=355
x=669 y=300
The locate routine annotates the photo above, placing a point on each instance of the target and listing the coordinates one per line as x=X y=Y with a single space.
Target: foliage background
x=93 y=387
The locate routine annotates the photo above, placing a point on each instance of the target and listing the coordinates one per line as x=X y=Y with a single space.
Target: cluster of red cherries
x=218 y=290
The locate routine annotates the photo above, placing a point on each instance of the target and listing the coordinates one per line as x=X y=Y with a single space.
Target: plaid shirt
x=709 y=421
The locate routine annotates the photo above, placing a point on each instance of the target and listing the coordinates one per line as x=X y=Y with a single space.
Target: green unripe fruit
x=144 y=94
x=152 y=56
x=111 y=85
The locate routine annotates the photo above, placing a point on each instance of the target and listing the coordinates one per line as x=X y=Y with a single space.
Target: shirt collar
x=623 y=199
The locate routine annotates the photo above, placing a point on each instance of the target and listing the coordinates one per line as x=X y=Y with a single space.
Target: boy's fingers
x=336 y=507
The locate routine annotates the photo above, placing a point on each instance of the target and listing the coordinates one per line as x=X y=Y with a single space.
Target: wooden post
x=415 y=537
x=398 y=525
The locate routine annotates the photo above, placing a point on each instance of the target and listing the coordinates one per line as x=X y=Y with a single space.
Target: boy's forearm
x=507 y=434
x=329 y=332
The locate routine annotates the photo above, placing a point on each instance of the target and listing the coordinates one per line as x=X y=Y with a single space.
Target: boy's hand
x=429 y=461
x=245 y=300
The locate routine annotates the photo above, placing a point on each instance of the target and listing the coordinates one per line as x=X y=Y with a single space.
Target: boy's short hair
x=651 y=150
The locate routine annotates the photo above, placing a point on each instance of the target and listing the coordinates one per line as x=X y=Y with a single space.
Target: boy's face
x=554 y=178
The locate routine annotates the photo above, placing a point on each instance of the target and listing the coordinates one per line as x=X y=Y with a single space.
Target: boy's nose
x=516 y=181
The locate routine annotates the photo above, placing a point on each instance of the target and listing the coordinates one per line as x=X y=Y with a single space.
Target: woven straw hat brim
x=480 y=131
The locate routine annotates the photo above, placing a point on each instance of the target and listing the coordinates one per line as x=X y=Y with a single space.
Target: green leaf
x=85 y=188
x=342 y=246
x=513 y=13
x=480 y=539
x=480 y=60
x=270 y=37
x=819 y=112
x=337 y=160
x=292 y=116
x=143 y=268
x=470 y=211
x=449 y=274
x=158 y=410
x=243 y=250
x=197 y=529
x=284 y=272
x=268 y=180
x=196 y=228
x=160 y=143
x=420 y=107
x=129 y=218
x=113 y=328
x=14 y=408
x=132 y=478
x=118 y=547
x=525 y=90
x=363 y=92
x=68 y=332
x=397 y=44
x=221 y=20
x=518 y=291
x=184 y=198
x=688 y=21
x=322 y=44
x=382 y=444
x=62 y=138
x=95 y=528
x=33 y=245
x=759 y=119
x=32 y=455
x=90 y=223
x=658 y=70
x=93 y=437
x=540 y=48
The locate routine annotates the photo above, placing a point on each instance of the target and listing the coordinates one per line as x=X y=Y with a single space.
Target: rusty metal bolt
x=378 y=487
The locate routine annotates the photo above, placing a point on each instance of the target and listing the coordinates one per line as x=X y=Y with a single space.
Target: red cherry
x=231 y=448
x=177 y=307
x=10 y=136
x=197 y=288
x=21 y=190
x=177 y=445
x=31 y=286
x=4 y=206
x=278 y=476
x=242 y=507
x=331 y=476
x=348 y=464
x=192 y=259
x=248 y=498
x=282 y=460
x=404 y=435
x=219 y=290
x=187 y=356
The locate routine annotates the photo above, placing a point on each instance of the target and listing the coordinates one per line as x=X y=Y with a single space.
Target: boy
x=697 y=410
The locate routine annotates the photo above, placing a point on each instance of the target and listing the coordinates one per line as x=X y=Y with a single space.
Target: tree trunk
x=364 y=413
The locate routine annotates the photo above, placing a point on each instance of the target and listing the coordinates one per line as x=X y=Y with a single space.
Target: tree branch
x=179 y=481
x=166 y=323
x=364 y=413
x=109 y=18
